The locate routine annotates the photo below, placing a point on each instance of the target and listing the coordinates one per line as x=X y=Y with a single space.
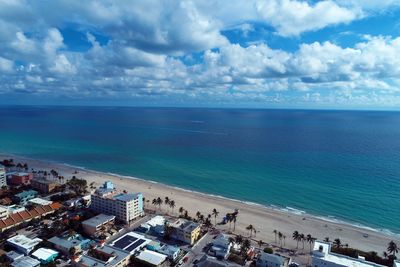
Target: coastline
x=264 y=218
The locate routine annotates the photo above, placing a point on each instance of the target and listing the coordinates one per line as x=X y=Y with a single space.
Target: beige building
x=97 y=224
x=3 y=180
x=185 y=231
x=43 y=185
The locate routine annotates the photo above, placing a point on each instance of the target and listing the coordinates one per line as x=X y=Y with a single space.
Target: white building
x=152 y=257
x=25 y=261
x=3 y=180
x=323 y=257
x=23 y=244
x=39 y=201
x=3 y=212
x=220 y=247
x=125 y=207
x=271 y=260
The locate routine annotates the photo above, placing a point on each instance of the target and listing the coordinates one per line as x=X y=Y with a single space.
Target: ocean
x=337 y=165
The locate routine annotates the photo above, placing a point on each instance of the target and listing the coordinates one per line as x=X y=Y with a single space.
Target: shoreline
x=264 y=218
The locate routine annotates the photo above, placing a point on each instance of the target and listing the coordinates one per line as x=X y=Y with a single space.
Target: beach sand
x=264 y=219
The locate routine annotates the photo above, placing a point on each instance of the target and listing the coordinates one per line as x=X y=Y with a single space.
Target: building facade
x=23 y=197
x=125 y=207
x=185 y=231
x=20 y=178
x=95 y=225
x=3 y=179
x=43 y=185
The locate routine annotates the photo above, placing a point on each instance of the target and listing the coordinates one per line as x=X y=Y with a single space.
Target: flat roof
x=126 y=197
x=40 y=201
x=23 y=241
x=26 y=193
x=98 y=220
x=118 y=256
x=25 y=261
x=44 y=253
x=131 y=242
x=152 y=257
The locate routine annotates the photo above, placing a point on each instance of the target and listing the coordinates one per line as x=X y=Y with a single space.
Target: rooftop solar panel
x=135 y=245
x=124 y=241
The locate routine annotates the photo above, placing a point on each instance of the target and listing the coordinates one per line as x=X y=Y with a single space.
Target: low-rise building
x=23 y=244
x=125 y=206
x=101 y=222
x=151 y=258
x=185 y=231
x=104 y=256
x=221 y=247
x=25 y=261
x=131 y=242
x=172 y=252
x=271 y=260
x=323 y=257
x=66 y=242
x=155 y=225
x=45 y=255
x=44 y=186
x=23 y=197
x=20 y=178
x=13 y=255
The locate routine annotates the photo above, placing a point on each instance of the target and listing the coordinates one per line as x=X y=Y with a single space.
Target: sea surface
x=339 y=165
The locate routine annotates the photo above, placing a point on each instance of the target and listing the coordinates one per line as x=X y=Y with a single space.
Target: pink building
x=20 y=178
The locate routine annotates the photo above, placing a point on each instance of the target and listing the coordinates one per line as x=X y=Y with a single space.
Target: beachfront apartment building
x=3 y=178
x=20 y=178
x=185 y=231
x=124 y=206
x=322 y=256
x=44 y=186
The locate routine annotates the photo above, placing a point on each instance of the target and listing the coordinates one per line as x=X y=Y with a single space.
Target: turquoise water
x=343 y=165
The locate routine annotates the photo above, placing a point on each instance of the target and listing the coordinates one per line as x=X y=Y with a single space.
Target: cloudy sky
x=214 y=53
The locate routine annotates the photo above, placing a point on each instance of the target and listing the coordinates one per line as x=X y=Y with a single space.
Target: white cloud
x=6 y=65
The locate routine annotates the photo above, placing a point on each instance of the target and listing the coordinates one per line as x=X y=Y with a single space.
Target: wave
x=289 y=210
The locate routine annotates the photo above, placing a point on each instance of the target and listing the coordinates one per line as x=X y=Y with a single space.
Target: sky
x=340 y=54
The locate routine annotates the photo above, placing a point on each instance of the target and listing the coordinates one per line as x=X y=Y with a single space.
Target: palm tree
x=166 y=200
x=215 y=213
x=310 y=240
x=284 y=238
x=198 y=214
x=392 y=248
x=385 y=255
x=326 y=239
x=172 y=205
x=280 y=235
x=302 y=238
x=181 y=210
x=275 y=232
x=154 y=202
x=229 y=219
x=260 y=243
x=159 y=202
x=250 y=228
x=295 y=237
x=337 y=243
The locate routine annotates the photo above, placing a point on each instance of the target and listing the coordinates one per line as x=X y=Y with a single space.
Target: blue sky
x=244 y=53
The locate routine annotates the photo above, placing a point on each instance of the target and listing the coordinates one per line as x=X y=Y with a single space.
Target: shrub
x=268 y=250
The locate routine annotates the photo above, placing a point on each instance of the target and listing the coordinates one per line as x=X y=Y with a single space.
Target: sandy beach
x=264 y=219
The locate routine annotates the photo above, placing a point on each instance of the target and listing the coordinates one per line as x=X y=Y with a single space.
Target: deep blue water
x=344 y=164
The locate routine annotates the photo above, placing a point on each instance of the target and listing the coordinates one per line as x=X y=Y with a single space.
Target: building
x=66 y=242
x=155 y=225
x=125 y=207
x=3 y=179
x=172 y=252
x=23 y=244
x=104 y=256
x=25 y=261
x=151 y=258
x=13 y=255
x=98 y=223
x=322 y=256
x=20 y=217
x=23 y=197
x=44 y=186
x=3 y=212
x=185 y=231
x=131 y=242
x=39 y=201
x=206 y=261
x=220 y=247
x=271 y=260
x=45 y=255
x=20 y=178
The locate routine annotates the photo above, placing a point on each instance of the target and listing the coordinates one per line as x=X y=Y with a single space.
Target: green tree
x=275 y=233
x=392 y=248
x=215 y=214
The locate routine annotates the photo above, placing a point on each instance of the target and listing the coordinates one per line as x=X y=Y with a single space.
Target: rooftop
x=23 y=241
x=110 y=257
x=44 y=254
x=13 y=255
x=25 y=262
x=127 y=197
x=186 y=225
x=98 y=220
x=26 y=193
x=40 y=201
x=152 y=257
x=67 y=241
x=323 y=250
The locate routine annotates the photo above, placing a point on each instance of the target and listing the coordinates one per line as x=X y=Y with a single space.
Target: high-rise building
x=3 y=180
x=124 y=206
